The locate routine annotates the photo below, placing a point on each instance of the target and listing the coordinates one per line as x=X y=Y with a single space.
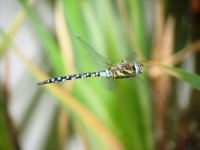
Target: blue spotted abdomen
x=76 y=76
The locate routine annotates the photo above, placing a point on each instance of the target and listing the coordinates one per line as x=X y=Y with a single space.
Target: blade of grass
x=163 y=47
x=138 y=23
x=74 y=19
x=52 y=141
x=15 y=25
x=191 y=78
x=127 y=27
x=173 y=59
x=29 y=112
x=112 y=33
x=182 y=54
x=10 y=133
x=67 y=57
x=63 y=38
x=5 y=136
x=49 y=43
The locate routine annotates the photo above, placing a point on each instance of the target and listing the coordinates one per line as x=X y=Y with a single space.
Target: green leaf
x=139 y=27
x=190 y=78
x=48 y=42
x=7 y=141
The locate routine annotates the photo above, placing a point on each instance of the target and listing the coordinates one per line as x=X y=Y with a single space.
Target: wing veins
x=92 y=50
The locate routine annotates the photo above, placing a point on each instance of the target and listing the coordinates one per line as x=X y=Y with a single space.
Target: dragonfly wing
x=132 y=56
x=94 y=52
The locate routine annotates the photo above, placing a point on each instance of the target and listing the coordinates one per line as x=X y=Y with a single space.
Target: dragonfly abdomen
x=76 y=76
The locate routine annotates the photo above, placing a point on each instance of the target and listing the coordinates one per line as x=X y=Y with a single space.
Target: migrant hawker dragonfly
x=121 y=70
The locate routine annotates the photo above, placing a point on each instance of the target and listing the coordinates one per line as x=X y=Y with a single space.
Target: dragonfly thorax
x=126 y=69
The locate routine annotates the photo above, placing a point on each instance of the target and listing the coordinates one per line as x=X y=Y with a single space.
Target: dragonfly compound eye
x=141 y=68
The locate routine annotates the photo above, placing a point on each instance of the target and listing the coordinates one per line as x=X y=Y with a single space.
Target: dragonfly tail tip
x=41 y=83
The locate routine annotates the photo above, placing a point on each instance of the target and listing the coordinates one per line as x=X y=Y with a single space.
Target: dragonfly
x=123 y=69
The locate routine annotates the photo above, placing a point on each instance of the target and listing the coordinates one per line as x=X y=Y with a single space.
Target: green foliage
x=190 y=78
x=47 y=40
x=121 y=108
x=5 y=132
x=124 y=107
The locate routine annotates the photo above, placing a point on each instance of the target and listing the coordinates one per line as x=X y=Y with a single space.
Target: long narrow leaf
x=15 y=25
x=191 y=78
x=48 y=42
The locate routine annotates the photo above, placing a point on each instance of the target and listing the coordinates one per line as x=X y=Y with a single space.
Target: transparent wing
x=132 y=56
x=92 y=51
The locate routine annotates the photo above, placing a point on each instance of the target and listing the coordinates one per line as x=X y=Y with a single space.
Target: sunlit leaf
x=191 y=78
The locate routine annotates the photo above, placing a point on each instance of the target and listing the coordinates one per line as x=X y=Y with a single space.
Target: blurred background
x=158 y=109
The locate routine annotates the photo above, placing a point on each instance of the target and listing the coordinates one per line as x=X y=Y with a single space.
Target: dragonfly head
x=137 y=67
